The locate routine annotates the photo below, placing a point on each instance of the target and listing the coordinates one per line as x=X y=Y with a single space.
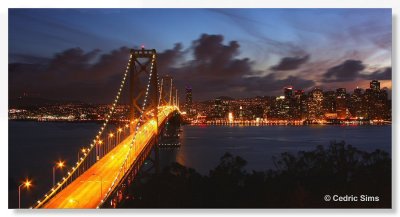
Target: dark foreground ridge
x=299 y=181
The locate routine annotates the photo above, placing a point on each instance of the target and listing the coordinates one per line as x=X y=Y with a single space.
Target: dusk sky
x=81 y=54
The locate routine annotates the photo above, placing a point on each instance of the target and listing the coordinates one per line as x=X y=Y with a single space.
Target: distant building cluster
x=316 y=106
x=68 y=112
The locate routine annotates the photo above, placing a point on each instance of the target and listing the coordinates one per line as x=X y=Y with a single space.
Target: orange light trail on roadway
x=88 y=189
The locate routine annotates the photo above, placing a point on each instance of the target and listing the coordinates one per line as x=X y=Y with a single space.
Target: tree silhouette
x=299 y=181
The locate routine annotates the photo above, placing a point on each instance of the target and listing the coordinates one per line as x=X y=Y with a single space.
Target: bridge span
x=105 y=168
x=91 y=187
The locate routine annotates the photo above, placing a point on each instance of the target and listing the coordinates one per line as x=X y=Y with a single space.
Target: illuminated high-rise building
x=219 y=108
x=288 y=103
x=341 y=104
x=288 y=91
x=282 y=109
x=188 y=100
x=377 y=105
x=375 y=85
x=357 y=106
x=315 y=104
x=341 y=92
x=230 y=117
x=329 y=102
x=299 y=104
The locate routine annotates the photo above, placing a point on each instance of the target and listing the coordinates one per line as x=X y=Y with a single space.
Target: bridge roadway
x=85 y=192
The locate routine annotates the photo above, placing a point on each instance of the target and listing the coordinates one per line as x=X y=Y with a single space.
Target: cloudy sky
x=80 y=54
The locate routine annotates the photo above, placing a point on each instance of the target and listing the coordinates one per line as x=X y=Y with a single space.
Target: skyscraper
x=188 y=100
x=341 y=105
x=356 y=106
x=288 y=91
x=375 y=85
x=300 y=104
x=218 y=108
x=376 y=101
x=341 y=92
x=329 y=102
x=315 y=104
x=288 y=102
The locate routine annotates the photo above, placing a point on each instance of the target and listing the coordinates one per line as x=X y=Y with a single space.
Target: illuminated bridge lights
x=120 y=157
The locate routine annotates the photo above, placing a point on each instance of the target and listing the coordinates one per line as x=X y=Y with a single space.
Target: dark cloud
x=24 y=58
x=215 y=66
x=349 y=70
x=380 y=74
x=92 y=76
x=213 y=69
x=72 y=63
x=352 y=70
x=71 y=74
x=216 y=70
x=272 y=84
x=113 y=63
x=169 y=58
x=290 y=63
x=75 y=74
x=212 y=60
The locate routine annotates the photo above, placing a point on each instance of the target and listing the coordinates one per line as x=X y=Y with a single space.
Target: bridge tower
x=143 y=80
x=166 y=90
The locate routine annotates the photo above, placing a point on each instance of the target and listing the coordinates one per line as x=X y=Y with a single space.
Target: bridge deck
x=85 y=191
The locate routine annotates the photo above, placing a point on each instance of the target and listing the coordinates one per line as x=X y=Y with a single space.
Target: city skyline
x=245 y=52
x=317 y=106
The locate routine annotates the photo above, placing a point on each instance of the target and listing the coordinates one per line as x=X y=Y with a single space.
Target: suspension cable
x=60 y=185
x=121 y=169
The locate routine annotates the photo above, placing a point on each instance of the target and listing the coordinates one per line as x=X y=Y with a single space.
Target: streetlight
x=83 y=150
x=59 y=165
x=27 y=184
x=110 y=138
x=98 y=143
x=119 y=131
x=101 y=183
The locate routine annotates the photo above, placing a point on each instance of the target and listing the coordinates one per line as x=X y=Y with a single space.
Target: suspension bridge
x=111 y=161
